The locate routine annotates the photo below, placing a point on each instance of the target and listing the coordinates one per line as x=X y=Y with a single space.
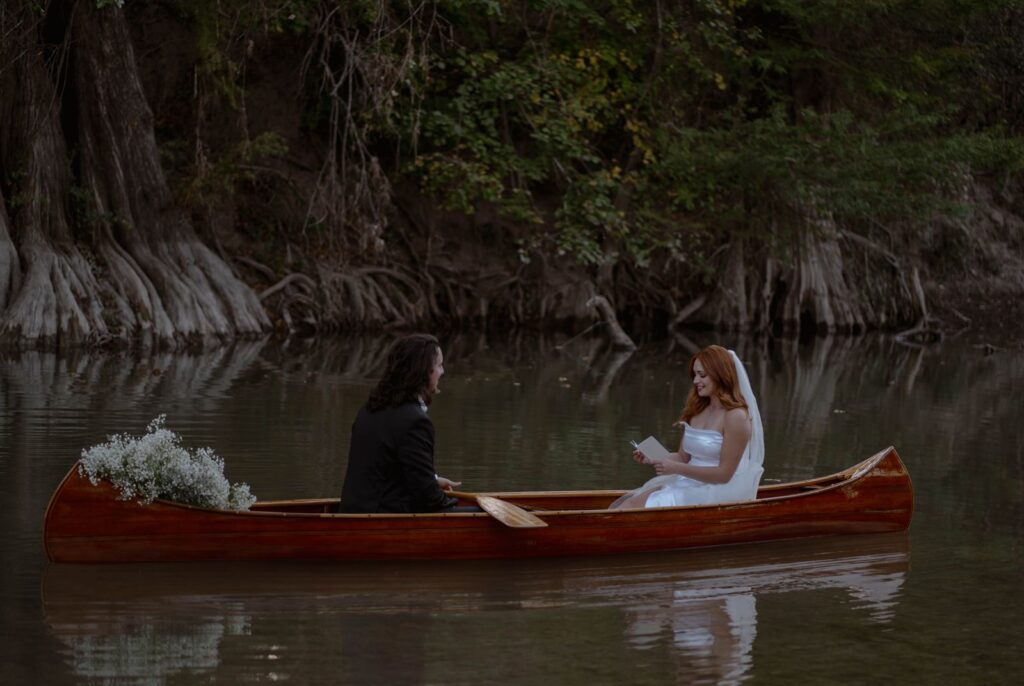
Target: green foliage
x=623 y=130
x=612 y=130
x=207 y=172
x=219 y=178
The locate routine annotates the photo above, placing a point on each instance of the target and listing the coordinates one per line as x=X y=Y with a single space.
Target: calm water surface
x=941 y=604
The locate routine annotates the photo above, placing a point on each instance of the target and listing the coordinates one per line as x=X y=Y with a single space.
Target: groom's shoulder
x=407 y=413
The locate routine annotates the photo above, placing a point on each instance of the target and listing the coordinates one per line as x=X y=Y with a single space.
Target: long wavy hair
x=406 y=377
x=720 y=369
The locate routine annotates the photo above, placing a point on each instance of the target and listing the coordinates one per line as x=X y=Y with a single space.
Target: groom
x=391 y=456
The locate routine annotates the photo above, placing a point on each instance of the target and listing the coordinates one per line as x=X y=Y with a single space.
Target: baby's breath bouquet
x=157 y=466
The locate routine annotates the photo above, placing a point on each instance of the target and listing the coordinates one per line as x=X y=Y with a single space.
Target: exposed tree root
x=810 y=290
x=56 y=299
x=352 y=299
x=284 y=283
x=10 y=265
x=180 y=289
x=258 y=267
x=822 y=297
x=920 y=332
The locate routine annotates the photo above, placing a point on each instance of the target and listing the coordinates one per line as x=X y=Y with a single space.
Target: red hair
x=719 y=367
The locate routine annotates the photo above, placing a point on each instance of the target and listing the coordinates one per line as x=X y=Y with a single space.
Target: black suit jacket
x=391 y=463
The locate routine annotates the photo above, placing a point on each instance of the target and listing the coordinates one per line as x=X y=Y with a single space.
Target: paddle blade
x=509 y=514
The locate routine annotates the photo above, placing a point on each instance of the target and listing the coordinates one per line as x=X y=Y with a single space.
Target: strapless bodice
x=703 y=445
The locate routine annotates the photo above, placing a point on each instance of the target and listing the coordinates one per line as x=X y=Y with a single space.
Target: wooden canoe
x=87 y=523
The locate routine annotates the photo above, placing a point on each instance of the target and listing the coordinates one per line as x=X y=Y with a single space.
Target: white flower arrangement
x=157 y=466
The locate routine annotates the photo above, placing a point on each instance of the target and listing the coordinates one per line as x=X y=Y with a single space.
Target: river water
x=941 y=604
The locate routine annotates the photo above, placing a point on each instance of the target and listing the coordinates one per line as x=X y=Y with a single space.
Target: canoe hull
x=86 y=523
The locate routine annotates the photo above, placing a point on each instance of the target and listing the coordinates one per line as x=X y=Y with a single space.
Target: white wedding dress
x=704 y=446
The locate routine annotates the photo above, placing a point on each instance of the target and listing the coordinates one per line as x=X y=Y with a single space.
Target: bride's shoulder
x=737 y=419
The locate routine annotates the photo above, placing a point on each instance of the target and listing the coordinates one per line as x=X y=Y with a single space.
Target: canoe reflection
x=236 y=621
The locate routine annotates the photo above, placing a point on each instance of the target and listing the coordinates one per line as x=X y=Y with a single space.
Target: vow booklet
x=652 y=449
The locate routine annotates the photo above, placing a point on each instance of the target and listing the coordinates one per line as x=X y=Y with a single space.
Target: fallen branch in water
x=619 y=337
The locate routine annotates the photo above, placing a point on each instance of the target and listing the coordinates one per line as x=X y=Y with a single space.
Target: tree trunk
x=56 y=297
x=811 y=292
x=728 y=305
x=148 y=273
x=176 y=285
x=10 y=266
x=820 y=296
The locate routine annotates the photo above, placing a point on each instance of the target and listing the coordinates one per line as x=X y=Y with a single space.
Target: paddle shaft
x=466 y=495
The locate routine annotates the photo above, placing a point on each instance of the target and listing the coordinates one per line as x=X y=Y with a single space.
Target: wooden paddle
x=504 y=511
x=509 y=514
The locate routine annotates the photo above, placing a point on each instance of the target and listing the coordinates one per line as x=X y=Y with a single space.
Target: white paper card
x=652 y=449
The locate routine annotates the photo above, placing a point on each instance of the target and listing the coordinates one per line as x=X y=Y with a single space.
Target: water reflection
x=872 y=578
x=709 y=616
x=517 y=414
x=713 y=636
x=144 y=623
x=150 y=653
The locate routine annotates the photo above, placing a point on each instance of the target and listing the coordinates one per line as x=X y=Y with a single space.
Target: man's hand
x=447 y=484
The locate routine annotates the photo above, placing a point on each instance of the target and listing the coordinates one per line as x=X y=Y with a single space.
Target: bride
x=721 y=454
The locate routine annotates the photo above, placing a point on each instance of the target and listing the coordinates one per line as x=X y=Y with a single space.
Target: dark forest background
x=185 y=170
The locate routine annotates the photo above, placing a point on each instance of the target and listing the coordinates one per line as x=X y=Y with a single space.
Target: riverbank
x=987 y=313
x=189 y=174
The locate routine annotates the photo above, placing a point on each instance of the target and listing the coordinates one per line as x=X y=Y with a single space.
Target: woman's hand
x=640 y=458
x=447 y=484
x=663 y=467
